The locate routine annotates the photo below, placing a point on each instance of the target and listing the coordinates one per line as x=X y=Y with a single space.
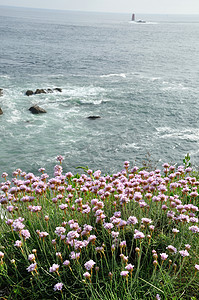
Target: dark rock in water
x=94 y=117
x=1 y=111
x=37 y=110
x=58 y=90
x=40 y=91
x=29 y=93
x=1 y=92
x=49 y=91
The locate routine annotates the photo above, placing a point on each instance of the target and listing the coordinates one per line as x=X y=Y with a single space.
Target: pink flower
x=43 y=234
x=194 y=229
x=1 y=255
x=129 y=267
x=197 y=267
x=31 y=257
x=171 y=249
x=184 y=253
x=58 y=286
x=174 y=230
x=18 y=243
x=66 y=263
x=25 y=233
x=132 y=220
x=163 y=256
x=54 y=268
x=32 y=267
x=108 y=226
x=60 y=158
x=146 y=221
x=89 y=264
x=74 y=255
x=60 y=231
x=124 y=273
x=87 y=275
x=138 y=235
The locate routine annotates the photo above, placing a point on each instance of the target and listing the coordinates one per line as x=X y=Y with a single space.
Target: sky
x=120 y=6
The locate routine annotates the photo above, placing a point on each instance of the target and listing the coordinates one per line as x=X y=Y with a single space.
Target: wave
x=123 y=75
x=186 y=134
x=143 y=23
x=173 y=86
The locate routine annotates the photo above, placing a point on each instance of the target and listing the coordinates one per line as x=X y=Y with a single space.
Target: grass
x=130 y=235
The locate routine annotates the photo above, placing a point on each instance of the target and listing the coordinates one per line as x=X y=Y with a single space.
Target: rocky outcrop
x=42 y=91
x=29 y=93
x=1 y=111
x=94 y=117
x=1 y=92
x=58 y=90
x=35 y=109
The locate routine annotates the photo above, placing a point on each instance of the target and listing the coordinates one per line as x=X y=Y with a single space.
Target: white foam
x=191 y=134
x=81 y=92
x=131 y=146
x=123 y=75
x=142 y=23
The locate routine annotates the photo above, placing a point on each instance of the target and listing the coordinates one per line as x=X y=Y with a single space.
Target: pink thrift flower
x=66 y=263
x=171 y=248
x=32 y=267
x=87 y=275
x=163 y=256
x=25 y=233
x=60 y=231
x=58 y=286
x=18 y=243
x=31 y=257
x=129 y=267
x=124 y=273
x=138 y=235
x=197 y=267
x=89 y=264
x=194 y=229
x=54 y=268
x=184 y=253
x=132 y=220
x=146 y=221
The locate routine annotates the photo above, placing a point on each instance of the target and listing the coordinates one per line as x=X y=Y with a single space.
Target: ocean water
x=141 y=79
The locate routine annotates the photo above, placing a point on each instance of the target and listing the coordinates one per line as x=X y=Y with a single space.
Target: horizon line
x=90 y=11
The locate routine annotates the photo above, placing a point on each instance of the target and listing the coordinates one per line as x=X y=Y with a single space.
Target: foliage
x=131 y=235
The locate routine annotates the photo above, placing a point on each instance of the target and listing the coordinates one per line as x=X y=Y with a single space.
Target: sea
x=141 y=79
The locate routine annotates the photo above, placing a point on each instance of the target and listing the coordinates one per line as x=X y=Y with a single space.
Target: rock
x=49 y=91
x=29 y=93
x=94 y=117
x=37 y=110
x=1 y=111
x=1 y=92
x=40 y=91
x=58 y=90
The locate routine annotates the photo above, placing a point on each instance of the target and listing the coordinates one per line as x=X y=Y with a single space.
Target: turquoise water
x=142 y=79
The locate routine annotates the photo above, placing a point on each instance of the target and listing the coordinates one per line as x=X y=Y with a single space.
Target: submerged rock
x=58 y=90
x=1 y=111
x=40 y=91
x=1 y=92
x=29 y=93
x=94 y=117
x=35 y=109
